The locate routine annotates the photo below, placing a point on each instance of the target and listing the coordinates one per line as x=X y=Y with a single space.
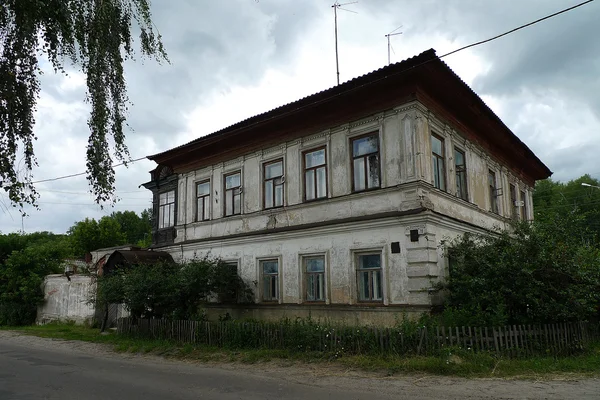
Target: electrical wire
x=360 y=86
x=517 y=28
x=83 y=173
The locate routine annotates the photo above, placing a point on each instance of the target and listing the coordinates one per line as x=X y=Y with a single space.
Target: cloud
x=237 y=58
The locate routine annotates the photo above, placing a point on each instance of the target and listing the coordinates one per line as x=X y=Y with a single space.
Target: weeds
x=454 y=361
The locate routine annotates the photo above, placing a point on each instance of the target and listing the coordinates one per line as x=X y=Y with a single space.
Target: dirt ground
x=336 y=377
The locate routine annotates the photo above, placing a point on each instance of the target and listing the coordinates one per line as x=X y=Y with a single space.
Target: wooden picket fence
x=511 y=341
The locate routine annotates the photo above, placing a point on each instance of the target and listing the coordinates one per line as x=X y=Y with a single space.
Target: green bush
x=172 y=291
x=24 y=262
x=533 y=273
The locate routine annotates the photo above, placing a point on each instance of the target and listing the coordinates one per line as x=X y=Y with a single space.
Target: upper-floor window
x=514 y=205
x=365 y=162
x=166 y=209
x=314 y=273
x=438 y=162
x=203 y=201
x=493 y=191
x=460 y=165
x=270 y=277
x=315 y=174
x=233 y=193
x=273 y=184
x=523 y=206
x=369 y=277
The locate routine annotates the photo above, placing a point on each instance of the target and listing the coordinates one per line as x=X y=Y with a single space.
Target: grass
x=455 y=362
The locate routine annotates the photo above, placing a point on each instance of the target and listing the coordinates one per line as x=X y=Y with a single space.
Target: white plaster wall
x=408 y=275
x=405 y=152
x=67 y=300
x=406 y=184
x=478 y=161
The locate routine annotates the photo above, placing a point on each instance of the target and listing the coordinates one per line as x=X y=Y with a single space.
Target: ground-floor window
x=270 y=278
x=314 y=273
x=369 y=277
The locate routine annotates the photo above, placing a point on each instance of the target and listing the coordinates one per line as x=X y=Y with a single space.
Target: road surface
x=36 y=368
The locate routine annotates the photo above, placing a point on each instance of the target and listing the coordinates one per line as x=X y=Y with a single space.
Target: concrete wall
x=66 y=300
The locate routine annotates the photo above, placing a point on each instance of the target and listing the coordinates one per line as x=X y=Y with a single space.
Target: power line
x=69 y=192
x=536 y=209
x=371 y=82
x=358 y=87
x=83 y=173
x=93 y=205
x=518 y=28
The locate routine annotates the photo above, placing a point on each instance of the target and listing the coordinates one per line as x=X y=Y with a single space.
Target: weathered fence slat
x=511 y=340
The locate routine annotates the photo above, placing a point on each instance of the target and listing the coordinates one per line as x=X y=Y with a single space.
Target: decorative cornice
x=411 y=106
x=319 y=135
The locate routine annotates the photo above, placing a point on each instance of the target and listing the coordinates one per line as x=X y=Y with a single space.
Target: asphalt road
x=37 y=368
x=31 y=373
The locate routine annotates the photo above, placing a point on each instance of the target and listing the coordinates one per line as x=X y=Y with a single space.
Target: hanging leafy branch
x=96 y=36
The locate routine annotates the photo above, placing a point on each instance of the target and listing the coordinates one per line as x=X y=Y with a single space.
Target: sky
x=233 y=59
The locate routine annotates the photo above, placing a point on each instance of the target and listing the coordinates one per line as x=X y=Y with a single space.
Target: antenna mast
x=389 y=44
x=335 y=8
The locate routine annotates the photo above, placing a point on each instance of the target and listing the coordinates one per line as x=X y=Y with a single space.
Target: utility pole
x=337 y=6
x=389 y=44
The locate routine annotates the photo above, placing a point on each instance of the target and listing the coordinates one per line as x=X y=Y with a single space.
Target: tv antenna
x=389 y=44
x=337 y=6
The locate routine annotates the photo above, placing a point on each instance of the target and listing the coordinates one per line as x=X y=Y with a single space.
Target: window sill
x=365 y=190
x=304 y=201
x=271 y=208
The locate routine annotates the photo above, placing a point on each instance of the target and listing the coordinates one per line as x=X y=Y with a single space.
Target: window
x=166 y=209
x=493 y=191
x=461 y=174
x=370 y=285
x=233 y=194
x=314 y=270
x=203 y=201
x=270 y=275
x=524 y=216
x=315 y=174
x=273 y=189
x=439 y=166
x=365 y=162
x=514 y=206
x=229 y=293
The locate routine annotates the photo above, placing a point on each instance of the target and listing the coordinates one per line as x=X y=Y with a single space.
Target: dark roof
x=324 y=95
x=410 y=64
x=125 y=258
x=142 y=256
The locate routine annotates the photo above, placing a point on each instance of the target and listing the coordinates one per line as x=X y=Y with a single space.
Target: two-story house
x=336 y=204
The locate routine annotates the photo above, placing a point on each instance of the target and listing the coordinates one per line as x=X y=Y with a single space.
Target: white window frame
x=209 y=199
x=224 y=176
x=355 y=266
x=304 y=282
x=260 y=274
x=171 y=223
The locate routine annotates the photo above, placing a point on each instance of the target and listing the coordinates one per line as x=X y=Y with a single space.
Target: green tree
x=552 y=198
x=22 y=271
x=535 y=273
x=96 y=36
x=136 y=228
x=89 y=235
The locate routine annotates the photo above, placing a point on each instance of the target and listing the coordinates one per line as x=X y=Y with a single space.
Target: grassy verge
x=455 y=362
